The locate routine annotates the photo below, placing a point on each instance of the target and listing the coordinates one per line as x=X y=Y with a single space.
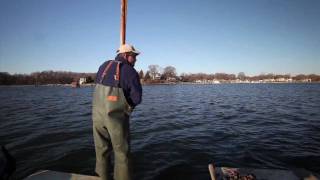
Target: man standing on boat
x=117 y=92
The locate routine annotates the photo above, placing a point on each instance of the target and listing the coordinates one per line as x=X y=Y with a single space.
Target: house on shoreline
x=78 y=82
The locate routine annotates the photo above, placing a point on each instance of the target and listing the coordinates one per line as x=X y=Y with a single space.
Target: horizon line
x=263 y=73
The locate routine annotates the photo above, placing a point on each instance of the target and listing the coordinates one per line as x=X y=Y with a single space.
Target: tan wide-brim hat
x=126 y=48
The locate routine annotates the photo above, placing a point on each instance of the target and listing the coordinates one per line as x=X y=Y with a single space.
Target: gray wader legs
x=111 y=132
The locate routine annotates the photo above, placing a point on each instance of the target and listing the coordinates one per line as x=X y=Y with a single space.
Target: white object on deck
x=219 y=173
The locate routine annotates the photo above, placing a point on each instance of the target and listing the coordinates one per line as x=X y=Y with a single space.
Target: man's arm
x=135 y=89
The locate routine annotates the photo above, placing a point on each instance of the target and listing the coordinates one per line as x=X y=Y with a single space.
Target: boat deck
x=261 y=174
x=54 y=175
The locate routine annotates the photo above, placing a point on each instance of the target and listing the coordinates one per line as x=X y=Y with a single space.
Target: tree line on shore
x=154 y=74
x=44 y=77
x=261 y=77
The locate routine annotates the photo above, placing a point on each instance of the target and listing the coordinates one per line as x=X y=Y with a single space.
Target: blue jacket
x=129 y=80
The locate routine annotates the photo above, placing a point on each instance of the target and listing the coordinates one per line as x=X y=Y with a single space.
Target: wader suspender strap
x=105 y=71
x=116 y=76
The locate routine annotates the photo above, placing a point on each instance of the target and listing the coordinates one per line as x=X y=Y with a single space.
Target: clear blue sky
x=253 y=36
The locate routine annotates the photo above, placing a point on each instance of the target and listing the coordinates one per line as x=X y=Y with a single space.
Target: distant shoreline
x=193 y=83
x=148 y=84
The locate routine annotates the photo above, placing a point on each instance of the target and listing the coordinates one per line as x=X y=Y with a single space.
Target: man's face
x=131 y=58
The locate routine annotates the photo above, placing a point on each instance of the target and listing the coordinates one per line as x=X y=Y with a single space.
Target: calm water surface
x=175 y=132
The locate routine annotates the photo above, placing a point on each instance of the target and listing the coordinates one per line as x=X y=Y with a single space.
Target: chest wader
x=110 y=115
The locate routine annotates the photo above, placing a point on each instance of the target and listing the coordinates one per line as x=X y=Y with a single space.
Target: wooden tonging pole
x=123 y=21
x=212 y=171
